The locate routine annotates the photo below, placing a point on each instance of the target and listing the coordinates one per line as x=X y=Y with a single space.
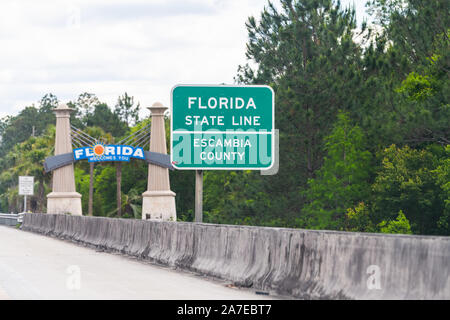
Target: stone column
x=63 y=198
x=158 y=201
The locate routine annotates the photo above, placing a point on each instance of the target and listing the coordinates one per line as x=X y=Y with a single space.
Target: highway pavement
x=33 y=266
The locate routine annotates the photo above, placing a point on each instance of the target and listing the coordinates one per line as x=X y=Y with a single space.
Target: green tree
x=305 y=51
x=443 y=181
x=412 y=25
x=4 y=123
x=236 y=197
x=399 y=225
x=48 y=102
x=104 y=118
x=427 y=95
x=343 y=179
x=126 y=110
x=408 y=181
x=26 y=158
x=359 y=219
x=105 y=189
x=82 y=187
x=30 y=121
x=406 y=70
x=84 y=106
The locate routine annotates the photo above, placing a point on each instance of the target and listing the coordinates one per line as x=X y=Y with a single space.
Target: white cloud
x=109 y=47
x=360 y=9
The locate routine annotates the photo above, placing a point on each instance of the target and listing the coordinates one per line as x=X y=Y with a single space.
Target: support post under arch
x=63 y=198
x=158 y=201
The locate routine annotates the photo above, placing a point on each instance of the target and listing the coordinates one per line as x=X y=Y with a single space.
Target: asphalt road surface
x=38 y=267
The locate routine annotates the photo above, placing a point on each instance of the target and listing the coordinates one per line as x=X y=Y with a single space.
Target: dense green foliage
x=343 y=178
x=350 y=111
x=363 y=115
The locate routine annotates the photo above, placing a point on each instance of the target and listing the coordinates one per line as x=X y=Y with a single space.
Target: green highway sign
x=222 y=127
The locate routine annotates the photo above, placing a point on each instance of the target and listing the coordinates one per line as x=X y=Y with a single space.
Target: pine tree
x=306 y=52
x=343 y=180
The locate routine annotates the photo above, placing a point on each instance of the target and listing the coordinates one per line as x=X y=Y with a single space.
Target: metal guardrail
x=10 y=219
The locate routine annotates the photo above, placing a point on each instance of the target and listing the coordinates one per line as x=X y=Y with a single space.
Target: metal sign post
x=26 y=188
x=198 y=195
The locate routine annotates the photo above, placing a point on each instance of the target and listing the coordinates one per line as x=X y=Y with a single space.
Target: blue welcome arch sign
x=100 y=152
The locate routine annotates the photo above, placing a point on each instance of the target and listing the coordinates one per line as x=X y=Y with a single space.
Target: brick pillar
x=158 y=201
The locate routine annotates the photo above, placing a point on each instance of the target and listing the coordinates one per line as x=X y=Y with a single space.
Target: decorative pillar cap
x=62 y=107
x=157 y=108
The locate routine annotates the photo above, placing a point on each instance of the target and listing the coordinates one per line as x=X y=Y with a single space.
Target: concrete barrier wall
x=300 y=263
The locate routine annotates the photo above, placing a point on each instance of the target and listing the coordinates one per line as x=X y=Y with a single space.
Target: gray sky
x=107 y=47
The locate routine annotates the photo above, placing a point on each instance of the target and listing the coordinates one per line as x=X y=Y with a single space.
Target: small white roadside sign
x=26 y=186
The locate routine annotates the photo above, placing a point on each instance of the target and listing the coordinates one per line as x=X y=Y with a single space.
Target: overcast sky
x=107 y=47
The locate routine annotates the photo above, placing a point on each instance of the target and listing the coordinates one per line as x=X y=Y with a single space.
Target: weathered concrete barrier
x=300 y=263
